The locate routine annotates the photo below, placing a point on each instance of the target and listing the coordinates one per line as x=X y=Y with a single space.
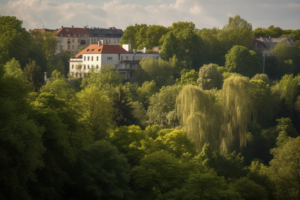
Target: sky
x=121 y=13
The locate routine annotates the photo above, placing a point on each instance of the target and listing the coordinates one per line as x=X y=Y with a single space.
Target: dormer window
x=88 y=50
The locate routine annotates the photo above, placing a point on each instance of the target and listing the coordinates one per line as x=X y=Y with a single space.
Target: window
x=84 y=66
x=88 y=40
x=72 y=66
x=72 y=46
x=97 y=58
x=92 y=58
x=109 y=58
x=126 y=57
x=73 y=52
x=78 y=40
x=69 y=47
x=73 y=40
x=88 y=67
x=97 y=66
x=88 y=58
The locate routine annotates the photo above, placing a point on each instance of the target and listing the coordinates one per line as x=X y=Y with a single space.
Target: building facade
x=96 y=55
x=72 y=38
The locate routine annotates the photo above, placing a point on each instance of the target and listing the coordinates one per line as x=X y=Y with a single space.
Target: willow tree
x=199 y=114
x=237 y=112
x=220 y=117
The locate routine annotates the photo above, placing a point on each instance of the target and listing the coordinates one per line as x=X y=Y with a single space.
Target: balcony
x=82 y=42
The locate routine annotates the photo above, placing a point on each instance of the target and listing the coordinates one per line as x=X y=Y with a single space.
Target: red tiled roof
x=103 y=49
x=73 y=32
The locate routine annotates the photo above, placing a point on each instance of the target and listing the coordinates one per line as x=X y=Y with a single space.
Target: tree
x=13 y=69
x=131 y=35
x=237 y=32
x=59 y=66
x=105 y=79
x=188 y=77
x=158 y=174
x=287 y=58
x=128 y=140
x=162 y=104
x=186 y=45
x=102 y=172
x=202 y=185
x=59 y=87
x=33 y=74
x=229 y=165
x=249 y=190
x=284 y=169
x=123 y=110
x=160 y=71
x=94 y=109
x=239 y=59
x=14 y=40
x=209 y=77
x=20 y=139
x=145 y=92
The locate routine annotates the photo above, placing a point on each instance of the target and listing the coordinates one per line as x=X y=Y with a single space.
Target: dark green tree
x=123 y=109
x=33 y=75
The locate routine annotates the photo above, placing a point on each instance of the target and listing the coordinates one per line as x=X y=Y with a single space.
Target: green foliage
x=102 y=173
x=188 y=78
x=128 y=140
x=123 y=110
x=45 y=41
x=33 y=75
x=59 y=66
x=156 y=174
x=287 y=58
x=13 y=69
x=239 y=59
x=210 y=77
x=284 y=169
x=237 y=32
x=229 y=165
x=186 y=45
x=20 y=140
x=162 y=105
x=202 y=186
x=249 y=190
x=94 y=109
x=285 y=129
x=14 y=40
x=59 y=87
x=160 y=71
x=106 y=78
x=145 y=92
x=130 y=35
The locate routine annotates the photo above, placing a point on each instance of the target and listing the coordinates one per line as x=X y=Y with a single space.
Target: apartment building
x=122 y=58
x=73 y=38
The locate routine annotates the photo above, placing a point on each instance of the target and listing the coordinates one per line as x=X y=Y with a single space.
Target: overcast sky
x=121 y=13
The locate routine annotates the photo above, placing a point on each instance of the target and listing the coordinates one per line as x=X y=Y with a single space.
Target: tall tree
x=14 y=40
x=33 y=74
x=210 y=77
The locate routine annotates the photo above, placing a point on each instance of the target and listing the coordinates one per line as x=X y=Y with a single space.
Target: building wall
x=74 y=43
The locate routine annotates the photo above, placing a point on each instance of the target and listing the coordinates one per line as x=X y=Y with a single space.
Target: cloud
x=118 y=13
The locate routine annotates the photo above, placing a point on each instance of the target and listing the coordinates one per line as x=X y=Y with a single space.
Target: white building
x=96 y=55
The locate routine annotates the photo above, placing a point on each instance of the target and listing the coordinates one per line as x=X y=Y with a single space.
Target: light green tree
x=94 y=109
x=13 y=69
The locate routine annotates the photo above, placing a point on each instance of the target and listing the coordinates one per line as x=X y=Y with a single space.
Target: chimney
x=72 y=26
x=98 y=43
x=62 y=26
x=144 y=50
x=127 y=47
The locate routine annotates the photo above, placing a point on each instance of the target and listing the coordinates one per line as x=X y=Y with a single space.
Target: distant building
x=265 y=45
x=121 y=58
x=72 y=38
